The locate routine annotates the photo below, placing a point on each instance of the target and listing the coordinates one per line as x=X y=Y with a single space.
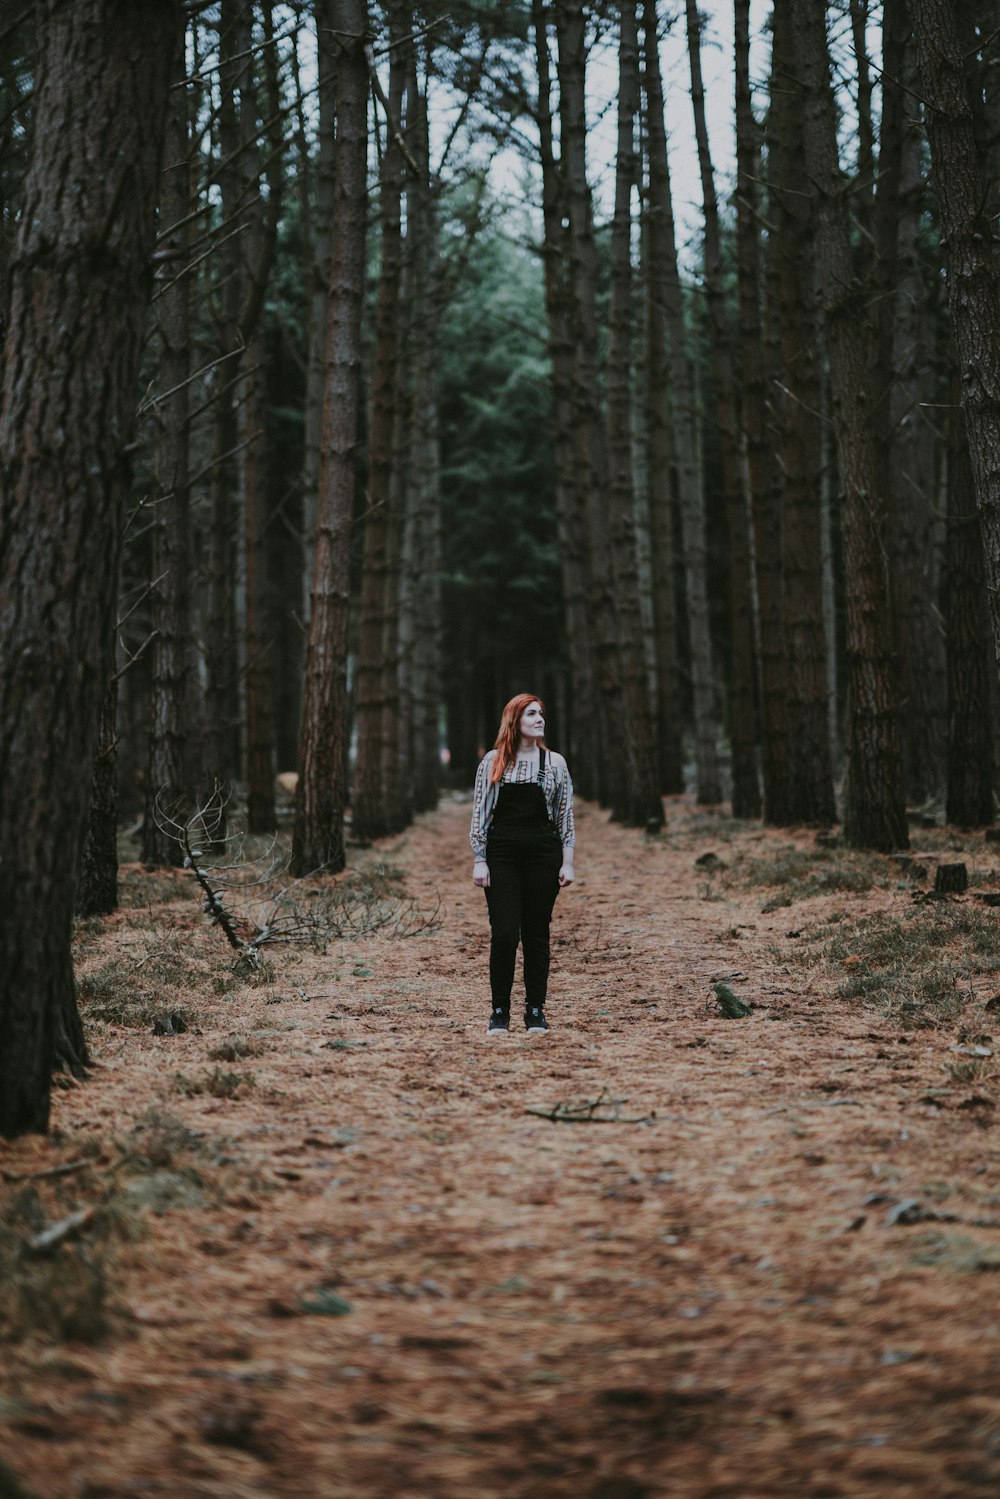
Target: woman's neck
x=527 y=747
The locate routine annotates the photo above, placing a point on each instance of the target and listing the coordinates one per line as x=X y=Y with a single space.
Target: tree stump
x=951 y=879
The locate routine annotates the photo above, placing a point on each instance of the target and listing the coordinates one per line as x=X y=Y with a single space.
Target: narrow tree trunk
x=574 y=561
x=319 y=227
x=744 y=734
x=663 y=259
x=969 y=801
x=663 y=560
x=97 y=883
x=318 y=840
x=805 y=793
x=874 y=807
x=167 y=768
x=377 y=657
x=973 y=283
x=591 y=470
x=760 y=361
x=643 y=807
x=80 y=278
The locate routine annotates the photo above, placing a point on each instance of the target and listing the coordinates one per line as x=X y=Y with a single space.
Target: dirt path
x=393 y=1279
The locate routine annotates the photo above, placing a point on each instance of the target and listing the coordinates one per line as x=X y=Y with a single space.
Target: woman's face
x=532 y=722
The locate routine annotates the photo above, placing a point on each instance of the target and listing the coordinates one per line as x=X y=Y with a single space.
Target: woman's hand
x=566 y=875
x=481 y=873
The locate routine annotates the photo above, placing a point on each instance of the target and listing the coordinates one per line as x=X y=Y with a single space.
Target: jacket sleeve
x=480 y=826
x=564 y=808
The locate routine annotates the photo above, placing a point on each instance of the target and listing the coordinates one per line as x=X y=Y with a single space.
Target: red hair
x=510 y=732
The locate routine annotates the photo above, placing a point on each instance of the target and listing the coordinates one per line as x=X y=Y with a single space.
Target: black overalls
x=524 y=852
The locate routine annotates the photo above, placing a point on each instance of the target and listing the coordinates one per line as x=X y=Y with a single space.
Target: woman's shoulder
x=486 y=761
x=556 y=760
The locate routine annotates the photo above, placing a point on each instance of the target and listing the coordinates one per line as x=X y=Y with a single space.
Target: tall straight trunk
x=903 y=386
x=420 y=581
x=319 y=226
x=969 y=797
x=97 y=884
x=574 y=564
x=318 y=839
x=80 y=279
x=221 y=750
x=761 y=378
x=643 y=807
x=663 y=560
x=973 y=282
x=744 y=734
x=874 y=806
x=663 y=262
x=805 y=793
x=591 y=461
x=258 y=245
x=374 y=814
x=171 y=699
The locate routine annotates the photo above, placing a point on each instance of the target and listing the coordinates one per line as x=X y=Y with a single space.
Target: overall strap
x=541 y=767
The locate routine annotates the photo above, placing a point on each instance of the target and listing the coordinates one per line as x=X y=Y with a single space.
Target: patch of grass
x=235 y=1049
x=915 y=966
x=59 y=1296
x=797 y=873
x=218 y=1084
x=158 y=1140
x=139 y=888
x=134 y=992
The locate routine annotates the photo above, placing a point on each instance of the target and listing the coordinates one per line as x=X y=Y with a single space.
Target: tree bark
x=97 y=884
x=969 y=798
x=590 y=455
x=318 y=840
x=80 y=279
x=374 y=815
x=744 y=733
x=642 y=807
x=973 y=282
x=874 y=806
x=574 y=563
x=170 y=706
x=663 y=260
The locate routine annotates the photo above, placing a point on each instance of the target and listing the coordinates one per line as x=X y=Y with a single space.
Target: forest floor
x=343 y=1243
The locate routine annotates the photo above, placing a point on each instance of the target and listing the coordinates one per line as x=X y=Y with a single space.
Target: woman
x=522 y=840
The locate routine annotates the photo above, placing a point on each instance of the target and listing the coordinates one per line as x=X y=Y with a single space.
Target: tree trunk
x=591 y=466
x=973 y=283
x=805 y=792
x=762 y=377
x=374 y=816
x=969 y=801
x=97 y=882
x=663 y=261
x=874 y=807
x=643 y=807
x=744 y=734
x=574 y=564
x=80 y=278
x=318 y=224
x=318 y=840
x=167 y=768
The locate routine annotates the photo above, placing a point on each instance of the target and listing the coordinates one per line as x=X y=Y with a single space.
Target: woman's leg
x=503 y=897
x=540 y=886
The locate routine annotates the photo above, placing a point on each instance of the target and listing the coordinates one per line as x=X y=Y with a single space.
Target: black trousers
x=524 y=883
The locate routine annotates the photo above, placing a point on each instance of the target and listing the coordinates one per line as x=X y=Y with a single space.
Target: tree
x=874 y=807
x=80 y=280
x=973 y=282
x=318 y=839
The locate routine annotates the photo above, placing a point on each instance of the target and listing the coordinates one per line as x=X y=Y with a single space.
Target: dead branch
x=586 y=1112
x=50 y=1238
x=30 y=1176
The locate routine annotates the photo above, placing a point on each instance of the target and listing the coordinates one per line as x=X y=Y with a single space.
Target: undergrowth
x=918 y=965
x=798 y=873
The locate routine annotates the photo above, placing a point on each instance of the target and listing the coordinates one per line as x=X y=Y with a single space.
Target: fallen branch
x=50 y=1238
x=586 y=1112
x=29 y=1176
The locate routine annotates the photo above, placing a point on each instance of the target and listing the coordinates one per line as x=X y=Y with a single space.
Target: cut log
x=951 y=879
